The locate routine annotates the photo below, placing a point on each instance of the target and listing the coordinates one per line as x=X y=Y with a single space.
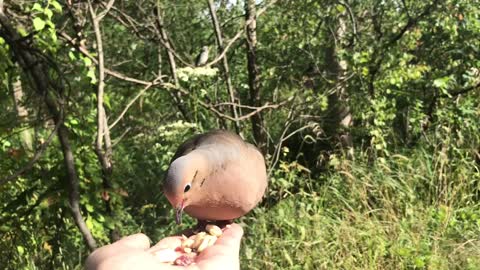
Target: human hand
x=134 y=252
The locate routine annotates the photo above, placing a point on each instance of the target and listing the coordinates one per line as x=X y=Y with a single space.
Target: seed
x=165 y=255
x=211 y=240
x=187 y=243
x=203 y=245
x=213 y=230
x=187 y=250
x=198 y=240
x=208 y=241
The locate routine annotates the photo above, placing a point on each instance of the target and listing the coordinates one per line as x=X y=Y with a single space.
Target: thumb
x=137 y=241
x=130 y=243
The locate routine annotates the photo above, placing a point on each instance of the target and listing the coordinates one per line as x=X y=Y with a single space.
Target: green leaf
x=49 y=13
x=56 y=6
x=74 y=122
x=21 y=250
x=71 y=55
x=441 y=83
x=340 y=8
x=106 y=101
x=419 y=262
x=38 y=24
x=87 y=61
x=100 y=218
x=89 y=222
x=91 y=75
x=37 y=7
x=89 y=208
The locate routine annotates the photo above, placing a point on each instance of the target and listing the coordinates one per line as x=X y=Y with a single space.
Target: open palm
x=134 y=252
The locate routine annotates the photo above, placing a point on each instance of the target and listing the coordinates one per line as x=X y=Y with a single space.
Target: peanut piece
x=198 y=240
x=187 y=250
x=213 y=230
x=212 y=239
x=187 y=243
x=208 y=241
x=203 y=245
x=165 y=255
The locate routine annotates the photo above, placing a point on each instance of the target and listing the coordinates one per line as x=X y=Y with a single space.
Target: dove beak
x=178 y=213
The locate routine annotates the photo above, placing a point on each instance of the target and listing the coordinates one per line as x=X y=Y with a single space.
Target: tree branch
x=239 y=33
x=129 y=104
x=462 y=91
x=226 y=71
x=173 y=66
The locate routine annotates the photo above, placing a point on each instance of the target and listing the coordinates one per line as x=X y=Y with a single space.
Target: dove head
x=181 y=184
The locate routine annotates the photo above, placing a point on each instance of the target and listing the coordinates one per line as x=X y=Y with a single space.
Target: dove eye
x=187 y=188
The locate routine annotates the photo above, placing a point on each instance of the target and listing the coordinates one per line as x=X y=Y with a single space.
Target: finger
x=137 y=241
x=172 y=242
x=127 y=244
x=135 y=259
x=231 y=237
x=225 y=250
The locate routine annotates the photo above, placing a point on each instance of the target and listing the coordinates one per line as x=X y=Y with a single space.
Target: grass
x=416 y=212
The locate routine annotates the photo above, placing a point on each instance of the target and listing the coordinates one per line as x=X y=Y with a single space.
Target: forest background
x=367 y=113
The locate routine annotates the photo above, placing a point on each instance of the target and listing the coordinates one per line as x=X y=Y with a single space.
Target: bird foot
x=201 y=224
x=223 y=223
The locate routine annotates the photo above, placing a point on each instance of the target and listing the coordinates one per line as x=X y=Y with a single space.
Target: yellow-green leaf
x=38 y=23
x=56 y=6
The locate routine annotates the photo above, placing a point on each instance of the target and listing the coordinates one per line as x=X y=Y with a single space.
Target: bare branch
x=464 y=90
x=162 y=33
x=110 y=72
x=129 y=104
x=101 y=117
x=239 y=34
x=103 y=149
x=105 y=11
x=235 y=105
x=352 y=18
x=243 y=117
x=226 y=69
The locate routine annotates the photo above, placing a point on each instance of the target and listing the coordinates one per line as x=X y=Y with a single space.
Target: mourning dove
x=215 y=176
x=202 y=58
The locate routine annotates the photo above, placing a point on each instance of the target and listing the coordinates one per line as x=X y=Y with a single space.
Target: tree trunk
x=38 y=71
x=339 y=116
x=258 y=128
x=22 y=113
x=103 y=144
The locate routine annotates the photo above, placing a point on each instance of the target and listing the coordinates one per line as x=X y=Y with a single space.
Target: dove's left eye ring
x=187 y=187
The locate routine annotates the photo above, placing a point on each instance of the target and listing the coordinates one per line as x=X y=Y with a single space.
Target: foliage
x=404 y=194
x=373 y=216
